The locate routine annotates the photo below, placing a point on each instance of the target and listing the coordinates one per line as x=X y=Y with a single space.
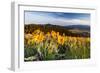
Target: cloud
x=52 y=18
x=74 y=21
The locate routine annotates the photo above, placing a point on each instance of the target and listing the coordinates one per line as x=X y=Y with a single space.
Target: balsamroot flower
x=54 y=35
x=61 y=40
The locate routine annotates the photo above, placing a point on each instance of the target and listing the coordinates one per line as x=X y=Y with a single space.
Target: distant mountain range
x=80 y=27
x=70 y=30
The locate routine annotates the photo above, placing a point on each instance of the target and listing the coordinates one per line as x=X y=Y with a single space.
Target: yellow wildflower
x=48 y=34
x=53 y=33
x=38 y=38
x=61 y=40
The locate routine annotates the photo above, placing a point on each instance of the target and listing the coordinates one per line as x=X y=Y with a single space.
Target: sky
x=56 y=18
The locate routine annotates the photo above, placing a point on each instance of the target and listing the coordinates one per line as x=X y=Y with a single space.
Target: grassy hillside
x=77 y=31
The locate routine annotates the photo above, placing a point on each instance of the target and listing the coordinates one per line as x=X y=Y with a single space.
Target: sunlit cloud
x=75 y=21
